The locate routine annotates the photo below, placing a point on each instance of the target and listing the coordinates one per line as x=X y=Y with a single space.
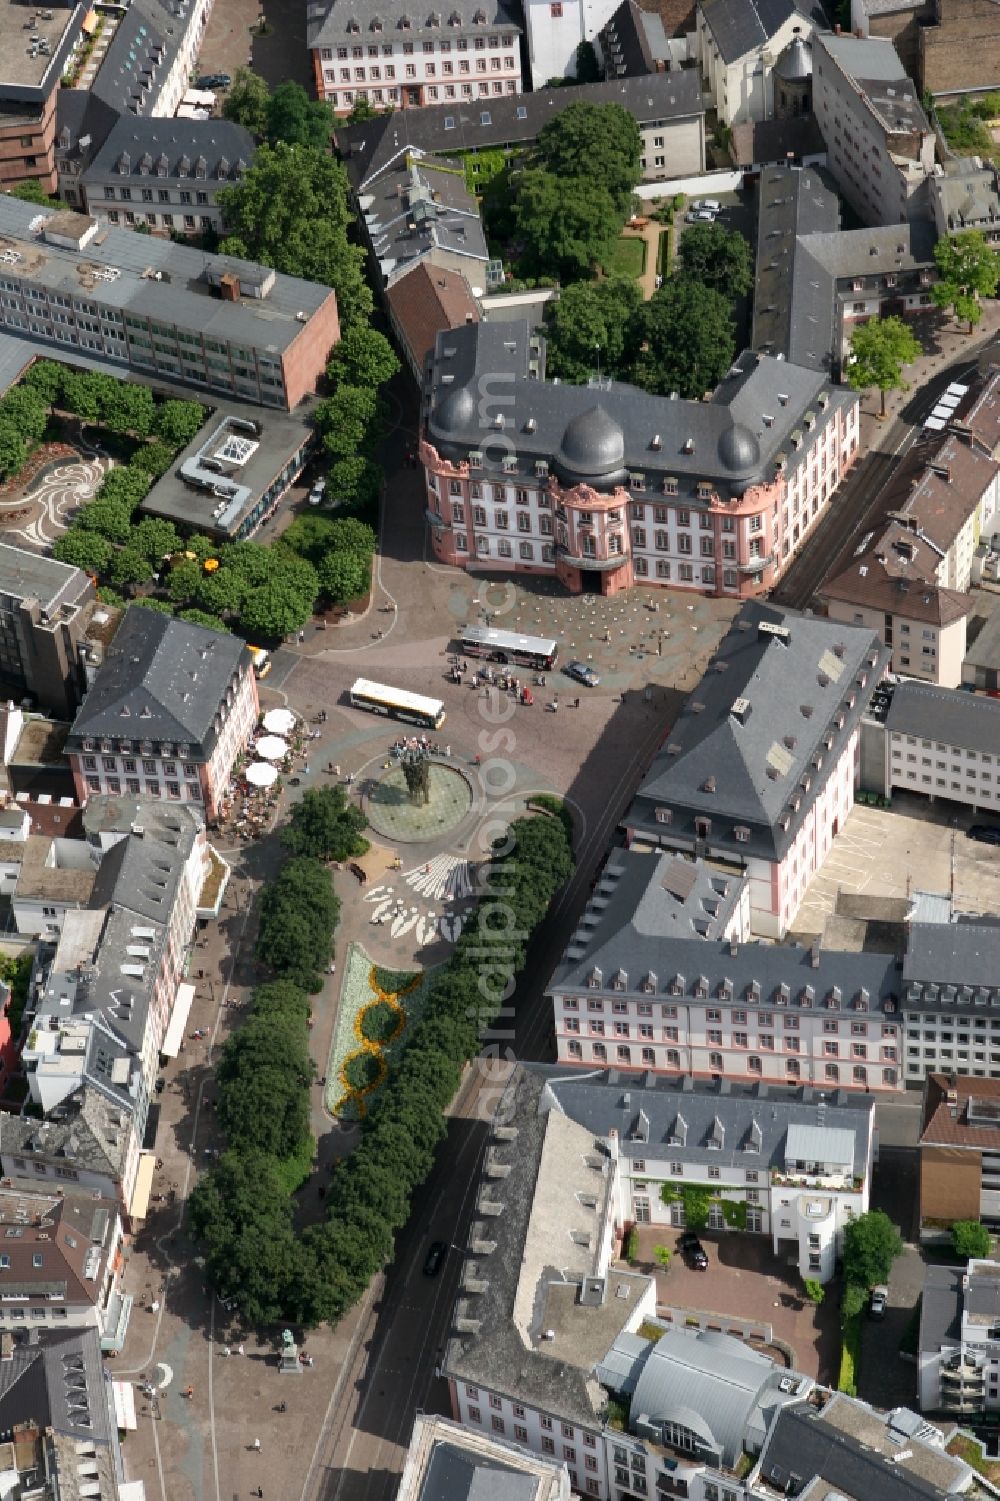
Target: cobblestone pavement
x=202 y=1449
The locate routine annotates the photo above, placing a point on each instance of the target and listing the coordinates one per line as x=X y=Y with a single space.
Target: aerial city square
x=500 y=750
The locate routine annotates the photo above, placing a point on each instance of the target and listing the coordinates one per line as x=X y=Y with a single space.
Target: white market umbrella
x=271 y=747
x=279 y=721
x=261 y=774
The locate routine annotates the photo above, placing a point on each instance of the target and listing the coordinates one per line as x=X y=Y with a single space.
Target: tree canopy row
x=242 y=1209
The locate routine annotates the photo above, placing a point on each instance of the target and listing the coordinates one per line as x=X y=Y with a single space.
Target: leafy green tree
x=968 y=269
x=596 y=144
x=13 y=448
x=814 y=1291
x=27 y=410
x=346 y=534
x=361 y=111
x=183 y=582
x=251 y=562
x=127 y=408
x=719 y=257
x=871 y=1245
x=688 y=339
x=125 y=485
x=971 y=1239
x=344 y=576
x=83 y=549
x=155 y=539
x=263 y=1107
x=203 y=547
x=364 y=357
x=108 y=517
x=147 y=602
x=567 y=225
x=588 y=69
x=347 y=420
x=298 y=913
x=325 y=825
x=284 y=602
x=221 y=592
x=357 y=483
x=128 y=568
x=291 y=212
x=854 y=1299
x=242 y=1214
x=30 y=191
x=80 y=396
x=247 y=101
x=879 y=350
x=309 y=535
x=294 y=119
x=45 y=377
x=202 y=617
x=593 y=323
x=154 y=458
x=177 y=423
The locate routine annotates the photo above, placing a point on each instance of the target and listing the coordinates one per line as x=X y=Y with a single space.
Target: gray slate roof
x=967 y=193
x=805 y=682
x=601 y=437
x=140 y=55
x=169 y=144
x=415 y=209
x=86 y=121
x=947 y=716
x=56 y=1379
x=163 y=680
x=31 y=575
x=742 y=26
x=487 y=1348
x=658 y=1117
x=456 y=1474
x=805 y=1442
x=514 y=120
x=329 y=25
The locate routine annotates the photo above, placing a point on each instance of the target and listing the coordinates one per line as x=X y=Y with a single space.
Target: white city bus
x=396 y=703
x=508 y=647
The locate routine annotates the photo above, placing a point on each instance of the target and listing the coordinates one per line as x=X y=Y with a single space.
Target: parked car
x=693 y=1251
x=707 y=205
x=582 y=673
x=213 y=81
x=435 y=1258
x=317 y=492
x=877 y=1302
x=985 y=833
x=700 y=216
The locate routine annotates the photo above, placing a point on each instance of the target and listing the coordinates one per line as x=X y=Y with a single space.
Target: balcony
x=591 y=564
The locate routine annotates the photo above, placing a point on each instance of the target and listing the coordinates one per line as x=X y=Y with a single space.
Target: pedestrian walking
x=240 y=1350
x=226 y=1350
x=256 y=1445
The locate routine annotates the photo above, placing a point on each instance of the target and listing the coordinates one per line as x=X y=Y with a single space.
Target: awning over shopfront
x=174 y=1036
x=124 y=1395
x=139 y=1207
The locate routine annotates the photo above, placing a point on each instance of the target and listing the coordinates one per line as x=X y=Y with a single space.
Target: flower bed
x=376 y=1007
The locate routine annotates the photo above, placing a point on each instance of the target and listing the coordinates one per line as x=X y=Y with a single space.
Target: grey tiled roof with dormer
x=161 y=680
x=396 y=20
x=705 y=1122
x=167 y=153
x=756 y=740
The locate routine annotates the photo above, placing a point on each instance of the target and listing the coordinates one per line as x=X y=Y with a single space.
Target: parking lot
x=913 y=846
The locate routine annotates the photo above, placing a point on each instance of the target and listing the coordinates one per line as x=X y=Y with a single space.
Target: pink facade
x=606 y=541
x=382 y=69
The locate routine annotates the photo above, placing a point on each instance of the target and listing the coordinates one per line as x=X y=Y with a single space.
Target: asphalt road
x=855 y=508
x=392 y=1375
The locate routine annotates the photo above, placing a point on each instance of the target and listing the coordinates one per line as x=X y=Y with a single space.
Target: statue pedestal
x=289 y=1363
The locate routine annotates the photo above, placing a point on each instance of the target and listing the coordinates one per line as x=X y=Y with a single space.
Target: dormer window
x=649 y=984
x=184 y=166
x=594 y=979
x=200 y=167
x=664 y=815
x=162 y=165
x=620 y=980
x=376 y=23
x=124 y=164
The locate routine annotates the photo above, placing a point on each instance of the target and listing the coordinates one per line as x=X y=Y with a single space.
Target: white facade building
x=959 y=1350
x=555 y=29
x=737 y=45
x=397 y=56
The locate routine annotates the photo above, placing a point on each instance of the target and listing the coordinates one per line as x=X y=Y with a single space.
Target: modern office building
x=35 y=46
x=940 y=742
x=958 y=1365
x=447 y=1460
x=398 y=56
x=171 y=708
x=950 y=995
x=166 y=174
x=143 y=303
x=607 y=486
